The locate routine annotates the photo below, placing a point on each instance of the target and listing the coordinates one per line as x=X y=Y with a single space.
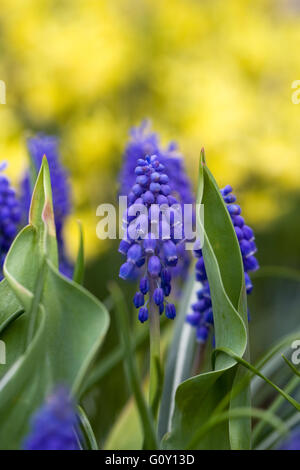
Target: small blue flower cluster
x=143 y=142
x=38 y=147
x=55 y=424
x=10 y=216
x=156 y=249
x=202 y=316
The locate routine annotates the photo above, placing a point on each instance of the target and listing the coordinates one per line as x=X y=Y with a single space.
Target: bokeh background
x=206 y=72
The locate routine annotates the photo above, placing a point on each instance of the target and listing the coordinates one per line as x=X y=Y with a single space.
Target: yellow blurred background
x=209 y=73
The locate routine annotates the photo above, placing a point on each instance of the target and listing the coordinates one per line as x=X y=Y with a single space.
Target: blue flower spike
x=152 y=255
x=170 y=187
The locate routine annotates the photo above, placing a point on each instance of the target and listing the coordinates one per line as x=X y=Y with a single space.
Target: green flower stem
x=155 y=388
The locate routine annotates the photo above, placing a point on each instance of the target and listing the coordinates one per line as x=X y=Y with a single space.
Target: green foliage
x=180 y=354
x=146 y=418
x=51 y=326
x=78 y=275
x=225 y=274
x=86 y=430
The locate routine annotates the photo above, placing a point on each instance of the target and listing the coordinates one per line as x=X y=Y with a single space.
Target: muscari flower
x=38 y=147
x=55 y=425
x=202 y=316
x=10 y=216
x=143 y=142
x=151 y=253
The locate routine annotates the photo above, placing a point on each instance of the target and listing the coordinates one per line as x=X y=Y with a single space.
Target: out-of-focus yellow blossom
x=211 y=73
x=92 y=244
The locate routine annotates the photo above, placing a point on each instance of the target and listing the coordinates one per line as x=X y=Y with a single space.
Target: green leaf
x=266 y=363
x=131 y=368
x=290 y=387
x=273 y=438
x=237 y=413
x=87 y=431
x=253 y=369
x=197 y=398
x=68 y=328
x=110 y=361
x=10 y=307
x=41 y=215
x=291 y=366
x=79 y=265
x=127 y=432
x=272 y=360
x=180 y=354
x=20 y=381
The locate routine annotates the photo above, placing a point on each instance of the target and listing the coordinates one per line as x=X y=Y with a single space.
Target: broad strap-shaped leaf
x=197 y=398
x=10 y=308
x=69 y=325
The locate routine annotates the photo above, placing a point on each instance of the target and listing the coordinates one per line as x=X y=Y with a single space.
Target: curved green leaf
x=68 y=328
x=197 y=398
x=85 y=426
x=23 y=381
x=41 y=215
x=180 y=354
x=10 y=307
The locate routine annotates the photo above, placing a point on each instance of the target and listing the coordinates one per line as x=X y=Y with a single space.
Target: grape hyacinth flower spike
x=10 y=216
x=144 y=142
x=202 y=316
x=151 y=236
x=55 y=425
x=151 y=256
x=38 y=147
